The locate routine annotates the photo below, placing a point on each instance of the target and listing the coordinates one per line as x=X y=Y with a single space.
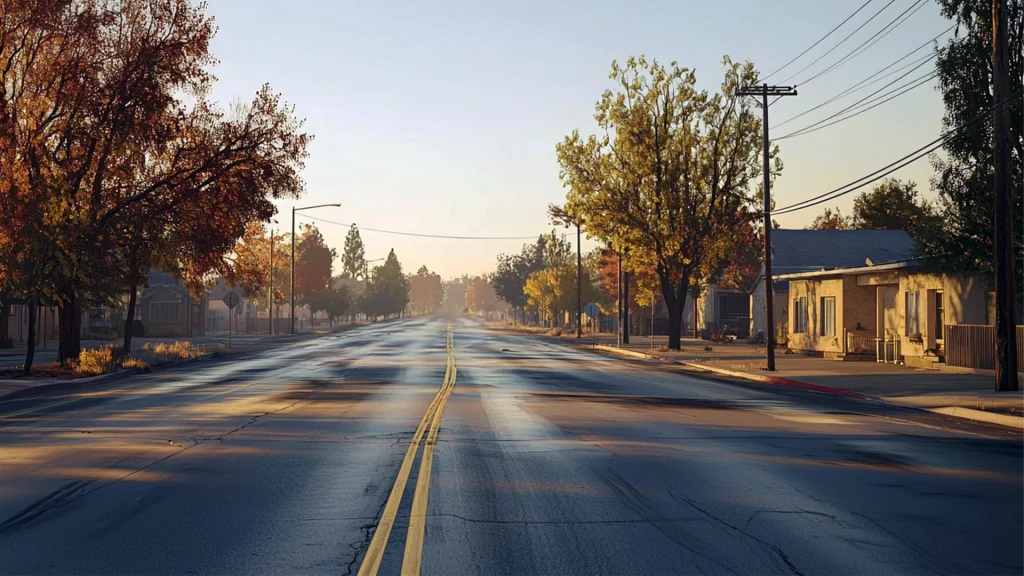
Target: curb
x=954 y=411
x=980 y=416
x=777 y=380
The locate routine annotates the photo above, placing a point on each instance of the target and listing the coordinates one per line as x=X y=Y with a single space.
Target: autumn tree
x=353 y=255
x=110 y=132
x=313 y=265
x=512 y=271
x=670 y=173
x=830 y=220
x=480 y=297
x=426 y=291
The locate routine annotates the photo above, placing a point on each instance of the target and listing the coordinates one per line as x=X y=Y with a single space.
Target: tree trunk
x=31 y=351
x=129 y=323
x=675 y=322
x=70 y=345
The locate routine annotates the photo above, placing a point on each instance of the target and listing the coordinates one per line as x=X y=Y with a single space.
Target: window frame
x=825 y=318
x=157 y=313
x=912 y=321
x=800 y=315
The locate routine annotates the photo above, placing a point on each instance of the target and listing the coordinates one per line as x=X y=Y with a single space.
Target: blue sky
x=442 y=117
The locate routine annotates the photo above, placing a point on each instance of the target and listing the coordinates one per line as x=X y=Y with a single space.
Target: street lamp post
x=291 y=315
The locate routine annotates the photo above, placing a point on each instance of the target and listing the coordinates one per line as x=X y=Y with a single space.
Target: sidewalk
x=16 y=356
x=239 y=344
x=964 y=395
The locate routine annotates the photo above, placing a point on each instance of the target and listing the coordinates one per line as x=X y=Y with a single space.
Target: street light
x=291 y=316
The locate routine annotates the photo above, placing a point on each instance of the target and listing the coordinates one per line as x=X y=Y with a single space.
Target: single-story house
x=166 y=308
x=895 y=312
x=797 y=251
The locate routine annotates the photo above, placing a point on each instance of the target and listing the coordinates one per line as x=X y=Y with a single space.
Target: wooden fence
x=974 y=346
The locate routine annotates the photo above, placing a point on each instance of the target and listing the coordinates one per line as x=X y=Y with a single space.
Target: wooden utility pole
x=579 y=285
x=764 y=91
x=1006 y=348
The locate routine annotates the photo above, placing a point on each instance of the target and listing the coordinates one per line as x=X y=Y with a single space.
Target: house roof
x=852 y=270
x=804 y=250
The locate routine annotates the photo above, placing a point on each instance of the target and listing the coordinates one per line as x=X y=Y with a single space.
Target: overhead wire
x=820 y=40
x=898 y=164
x=815 y=125
x=840 y=43
x=867 y=44
x=872 y=104
x=864 y=83
x=417 y=234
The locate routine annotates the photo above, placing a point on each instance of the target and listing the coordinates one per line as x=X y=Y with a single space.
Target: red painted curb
x=815 y=387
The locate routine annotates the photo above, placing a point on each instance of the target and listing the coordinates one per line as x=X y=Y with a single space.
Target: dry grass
x=111 y=358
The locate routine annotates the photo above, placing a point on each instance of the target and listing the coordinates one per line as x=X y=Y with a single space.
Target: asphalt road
x=544 y=459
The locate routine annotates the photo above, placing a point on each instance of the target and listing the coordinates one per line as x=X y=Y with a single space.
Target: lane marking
x=375 y=551
x=418 y=517
x=38 y=408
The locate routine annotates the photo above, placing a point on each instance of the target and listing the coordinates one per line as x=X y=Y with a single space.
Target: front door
x=940 y=319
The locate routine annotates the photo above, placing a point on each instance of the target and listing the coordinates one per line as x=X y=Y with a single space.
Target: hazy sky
x=442 y=117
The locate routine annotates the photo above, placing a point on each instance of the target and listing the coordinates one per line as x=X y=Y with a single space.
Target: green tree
x=893 y=204
x=670 y=176
x=964 y=179
x=509 y=278
x=353 y=255
x=388 y=292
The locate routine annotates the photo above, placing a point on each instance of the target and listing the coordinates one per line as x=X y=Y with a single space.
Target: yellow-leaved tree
x=671 y=174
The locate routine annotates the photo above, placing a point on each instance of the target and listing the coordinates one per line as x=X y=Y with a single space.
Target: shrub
x=164 y=352
x=136 y=363
x=94 y=361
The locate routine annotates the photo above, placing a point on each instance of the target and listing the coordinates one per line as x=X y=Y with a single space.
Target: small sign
x=231 y=300
x=592 y=310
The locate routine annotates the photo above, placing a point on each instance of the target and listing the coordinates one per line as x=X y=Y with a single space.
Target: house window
x=163 y=312
x=827 y=326
x=800 y=315
x=913 y=319
x=940 y=311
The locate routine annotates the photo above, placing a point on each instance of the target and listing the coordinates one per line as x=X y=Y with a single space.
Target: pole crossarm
x=764 y=91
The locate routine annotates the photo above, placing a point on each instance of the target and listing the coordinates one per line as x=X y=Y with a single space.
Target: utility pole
x=625 y=299
x=579 y=285
x=1006 y=348
x=291 y=304
x=270 y=290
x=764 y=91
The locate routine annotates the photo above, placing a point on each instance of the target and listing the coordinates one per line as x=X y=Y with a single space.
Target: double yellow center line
x=418 y=517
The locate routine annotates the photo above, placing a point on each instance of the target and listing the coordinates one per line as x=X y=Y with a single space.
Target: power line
x=814 y=125
x=418 y=235
x=820 y=40
x=894 y=166
x=916 y=83
x=819 y=58
x=864 y=46
x=864 y=83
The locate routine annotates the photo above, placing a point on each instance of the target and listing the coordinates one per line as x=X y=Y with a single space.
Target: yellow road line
x=38 y=408
x=418 y=516
x=375 y=551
